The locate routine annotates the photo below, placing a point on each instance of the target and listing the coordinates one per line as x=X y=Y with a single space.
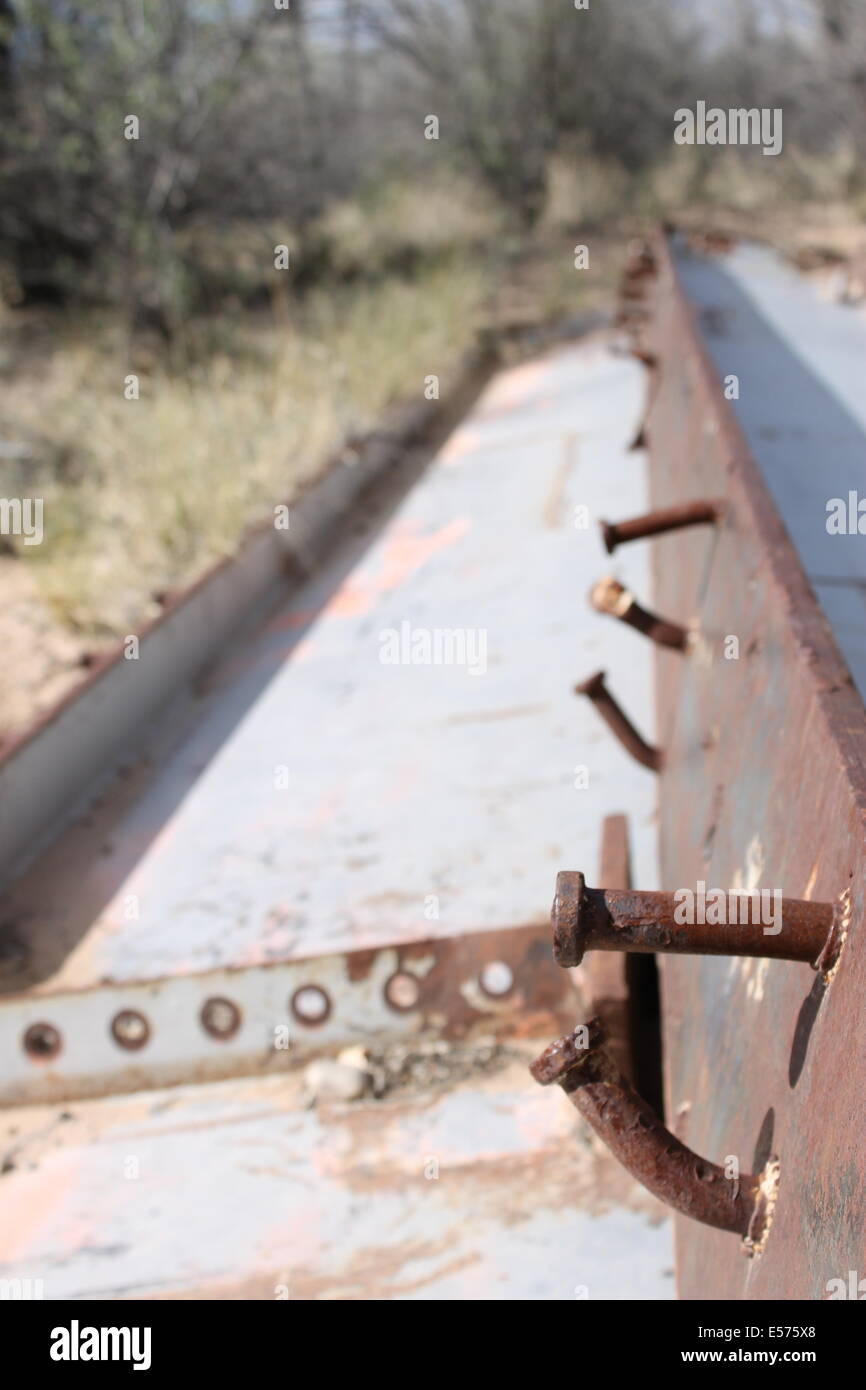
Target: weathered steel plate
x=764 y=784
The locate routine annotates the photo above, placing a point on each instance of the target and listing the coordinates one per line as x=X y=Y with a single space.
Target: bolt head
x=593 y=686
x=609 y=596
x=562 y=1056
x=567 y=917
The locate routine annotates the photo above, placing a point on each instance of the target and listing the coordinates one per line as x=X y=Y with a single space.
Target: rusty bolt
x=595 y=690
x=602 y=919
x=582 y=1066
x=656 y=523
x=609 y=596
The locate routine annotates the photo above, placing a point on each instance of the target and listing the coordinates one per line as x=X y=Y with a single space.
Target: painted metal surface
x=51 y=772
x=763 y=785
x=484 y=1190
x=320 y=799
x=802 y=410
x=500 y=983
x=312 y=802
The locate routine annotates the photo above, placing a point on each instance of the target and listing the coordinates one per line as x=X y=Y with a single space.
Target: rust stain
x=39 y=1200
x=490 y=715
x=511 y=389
x=325 y=809
x=376 y=1273
x=359 y=964
x=404 y=552
x=463 y=441
x=551 y=513
x=405 y=779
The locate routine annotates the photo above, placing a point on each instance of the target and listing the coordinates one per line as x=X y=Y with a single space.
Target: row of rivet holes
x=310 y=1005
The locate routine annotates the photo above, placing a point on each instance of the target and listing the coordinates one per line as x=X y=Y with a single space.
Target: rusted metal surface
x=730 y=1200
x=603 y=976
x=620 y=988
x=611 y=597
x=595 y=689
x=763 y=785
x=658 y=523
x=734 y=924
x=640 y=268
x=632 y=315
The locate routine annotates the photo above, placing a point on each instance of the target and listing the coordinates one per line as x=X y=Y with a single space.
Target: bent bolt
x=619 y=723
x=582 y=1066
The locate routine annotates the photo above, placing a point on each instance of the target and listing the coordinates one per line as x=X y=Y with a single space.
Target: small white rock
x=329 y=1080
x=354 y=1056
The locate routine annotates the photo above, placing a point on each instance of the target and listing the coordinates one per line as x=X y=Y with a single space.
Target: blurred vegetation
x=305 y=126
x=257 y=122
x=160 y=485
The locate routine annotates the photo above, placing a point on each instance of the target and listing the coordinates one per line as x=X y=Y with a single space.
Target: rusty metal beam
x=763 y=784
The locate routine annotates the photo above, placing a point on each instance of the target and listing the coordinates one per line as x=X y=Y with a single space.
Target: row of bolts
x=599 y=919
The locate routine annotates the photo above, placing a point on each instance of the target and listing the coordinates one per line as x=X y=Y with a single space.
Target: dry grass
x=366 y=236
x=141 y=494
x=150 y=490
x=791 y=204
